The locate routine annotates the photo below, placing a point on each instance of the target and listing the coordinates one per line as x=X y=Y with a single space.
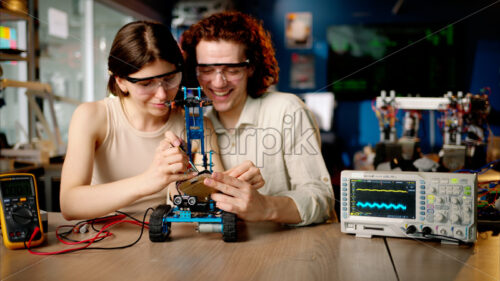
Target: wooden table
x=267 y=251
x=426 y=260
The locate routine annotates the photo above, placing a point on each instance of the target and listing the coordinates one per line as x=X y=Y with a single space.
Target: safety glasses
x=228 y=71
x=167 y=80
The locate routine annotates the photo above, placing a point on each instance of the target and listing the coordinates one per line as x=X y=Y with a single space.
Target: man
x=231 y=56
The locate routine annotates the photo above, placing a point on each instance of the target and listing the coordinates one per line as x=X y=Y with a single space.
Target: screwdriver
x=192 y=167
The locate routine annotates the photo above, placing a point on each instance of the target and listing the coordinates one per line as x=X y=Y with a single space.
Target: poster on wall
x=302 y=71
x=298 y=30
x=58 y=23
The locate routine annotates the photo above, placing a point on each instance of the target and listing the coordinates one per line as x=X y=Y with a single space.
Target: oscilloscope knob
x=455 y=219
x=442 y=231
x=439 y=200
x=455 y=200
x=22 y=216
x=432 y=189
x=440 y=217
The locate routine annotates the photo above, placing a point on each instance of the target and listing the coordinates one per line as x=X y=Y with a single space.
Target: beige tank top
x=126 y=151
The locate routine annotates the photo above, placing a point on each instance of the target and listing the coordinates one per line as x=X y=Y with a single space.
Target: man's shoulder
x=277 y=100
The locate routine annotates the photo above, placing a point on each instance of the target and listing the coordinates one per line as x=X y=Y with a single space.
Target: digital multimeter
x=19 y=212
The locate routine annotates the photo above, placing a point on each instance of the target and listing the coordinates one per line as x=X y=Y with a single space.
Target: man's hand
x=239 y=197
x=246 y=171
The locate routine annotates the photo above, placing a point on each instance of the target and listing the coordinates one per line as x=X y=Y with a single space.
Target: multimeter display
x=16 y=188
x=19 y=212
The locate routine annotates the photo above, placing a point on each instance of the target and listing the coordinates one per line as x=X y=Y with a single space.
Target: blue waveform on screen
x=381 y=205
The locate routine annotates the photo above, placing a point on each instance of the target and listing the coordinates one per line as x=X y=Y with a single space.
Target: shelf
x=11 y=57
x=8 y=15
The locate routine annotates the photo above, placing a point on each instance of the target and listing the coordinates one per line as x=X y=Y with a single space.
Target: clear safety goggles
x=167 y=80
x=228 y=71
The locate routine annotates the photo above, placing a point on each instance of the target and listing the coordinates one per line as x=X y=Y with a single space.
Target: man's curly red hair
x=239 y=28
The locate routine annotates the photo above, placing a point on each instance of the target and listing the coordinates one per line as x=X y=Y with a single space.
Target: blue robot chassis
x=190 y=209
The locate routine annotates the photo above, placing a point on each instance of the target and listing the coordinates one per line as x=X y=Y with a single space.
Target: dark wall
x=355 y=123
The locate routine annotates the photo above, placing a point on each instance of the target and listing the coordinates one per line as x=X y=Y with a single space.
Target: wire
x=102 y=233
x=481 y=170
x=77 y=228
x=446 y=238
x=442 y=237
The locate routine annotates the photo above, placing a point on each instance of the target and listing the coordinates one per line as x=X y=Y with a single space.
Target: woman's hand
x=246 y=171
x=170 y=164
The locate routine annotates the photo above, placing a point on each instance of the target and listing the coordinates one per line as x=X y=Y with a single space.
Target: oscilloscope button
x=344 y=188
x=466 y=219
x=344 y=208
x=344 y=193
x=344 y=203
x=449 y=189
x=439 y=217
x=422 y=213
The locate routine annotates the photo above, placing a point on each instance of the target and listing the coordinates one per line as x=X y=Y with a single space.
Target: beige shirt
x=278 y=133
x=126 y=151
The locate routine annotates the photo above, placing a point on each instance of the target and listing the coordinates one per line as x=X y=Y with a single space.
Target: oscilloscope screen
x=381 y=198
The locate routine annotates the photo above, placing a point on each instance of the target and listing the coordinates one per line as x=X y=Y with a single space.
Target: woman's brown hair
x=137 y=44
x=239 y=28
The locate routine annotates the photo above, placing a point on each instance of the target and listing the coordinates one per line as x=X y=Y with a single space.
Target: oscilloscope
x=409 y=204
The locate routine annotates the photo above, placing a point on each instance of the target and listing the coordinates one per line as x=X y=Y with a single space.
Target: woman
x=127 y=148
